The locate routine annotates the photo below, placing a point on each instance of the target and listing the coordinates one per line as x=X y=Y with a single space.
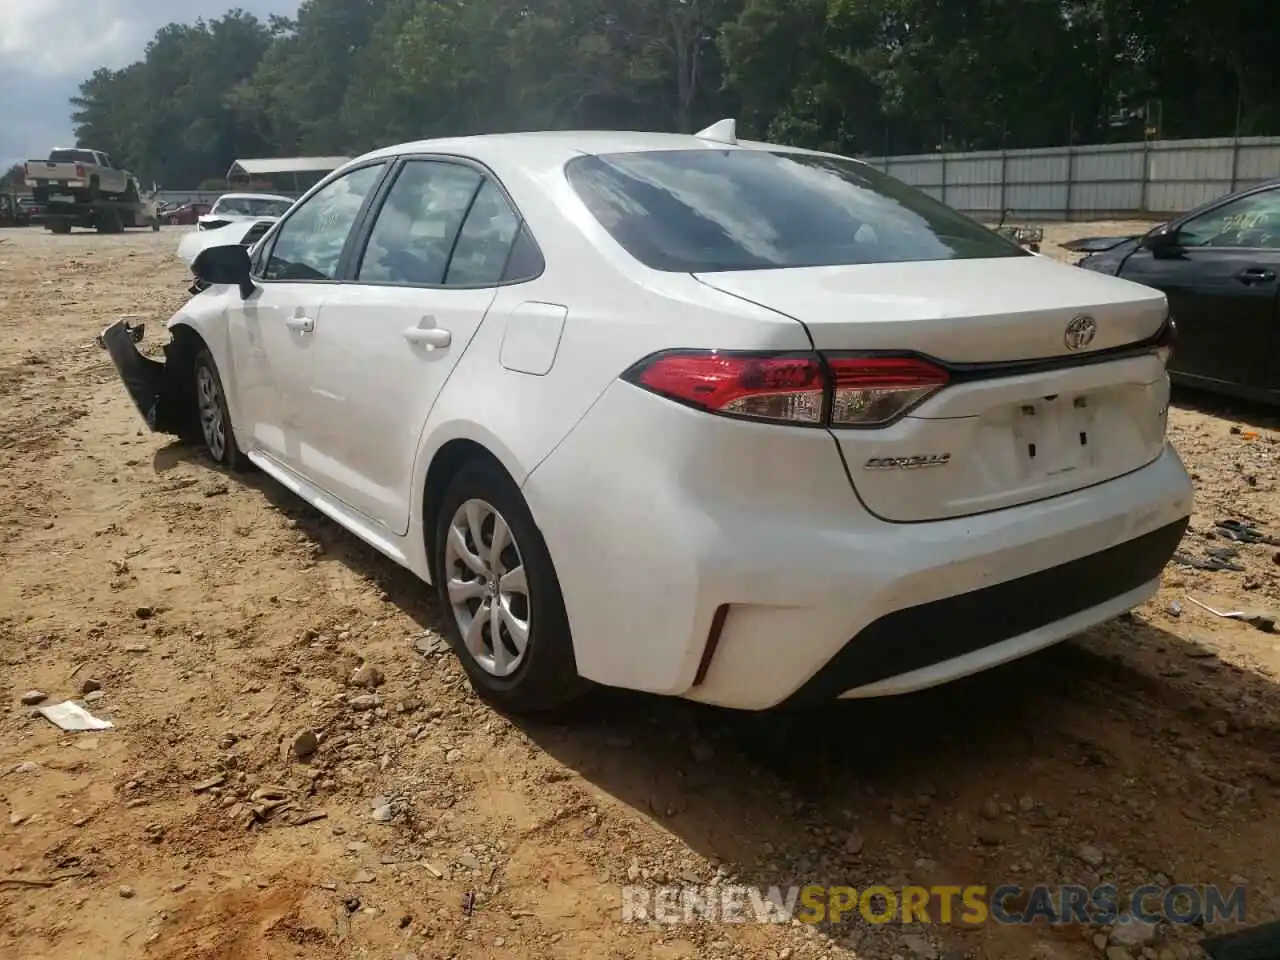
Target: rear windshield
x=692 y=211
x=72 y=156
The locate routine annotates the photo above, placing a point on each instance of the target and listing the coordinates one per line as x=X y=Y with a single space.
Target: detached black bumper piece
x=921 y=636
x=1255 y=943
x=150 y=382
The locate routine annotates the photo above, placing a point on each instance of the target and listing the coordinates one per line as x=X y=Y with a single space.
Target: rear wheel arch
x=447 y=462
x=544 y=676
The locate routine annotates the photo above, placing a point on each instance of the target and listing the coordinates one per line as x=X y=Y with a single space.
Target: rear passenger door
x=432 y=255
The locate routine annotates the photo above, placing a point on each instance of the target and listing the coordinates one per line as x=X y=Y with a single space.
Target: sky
x=48 y=47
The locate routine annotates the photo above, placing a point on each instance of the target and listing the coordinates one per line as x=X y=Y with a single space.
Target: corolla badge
x=1080 y=332
x=908 y=463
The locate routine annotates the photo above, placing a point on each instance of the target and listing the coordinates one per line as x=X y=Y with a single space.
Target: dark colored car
x=18 y=211
x=188 y=213
x=1218 y=265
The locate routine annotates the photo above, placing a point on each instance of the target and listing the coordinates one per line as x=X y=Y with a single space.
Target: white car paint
x=668 y=524
x=531 y=337
x=224 y=210
x=194 y=241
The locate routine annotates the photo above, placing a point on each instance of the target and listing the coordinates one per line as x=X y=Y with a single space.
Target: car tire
x=212 y=417
x=543 y=675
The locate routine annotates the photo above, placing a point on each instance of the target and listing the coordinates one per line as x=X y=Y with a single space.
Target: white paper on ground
x=69 y=715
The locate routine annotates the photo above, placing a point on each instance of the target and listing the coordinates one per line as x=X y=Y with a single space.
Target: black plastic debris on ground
x=1210 y=562
x=1243 y=532
x=1224 y=558
x=1256 y=943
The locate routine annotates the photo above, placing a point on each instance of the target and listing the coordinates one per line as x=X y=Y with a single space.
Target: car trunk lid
x=957 y=311
x=1040 y=401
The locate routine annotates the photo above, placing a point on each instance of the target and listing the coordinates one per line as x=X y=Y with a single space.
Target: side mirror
x=228 y=263
x=1163 y=240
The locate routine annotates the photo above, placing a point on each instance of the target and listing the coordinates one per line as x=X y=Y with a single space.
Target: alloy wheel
x=209 y=402
x=488 y=593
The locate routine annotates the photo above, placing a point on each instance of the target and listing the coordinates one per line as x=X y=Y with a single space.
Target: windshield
x=72 y=156
x=694 y=211
x=252 y=206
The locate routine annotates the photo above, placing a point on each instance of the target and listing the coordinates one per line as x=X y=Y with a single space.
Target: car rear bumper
x=730 y=562
x=941 y=640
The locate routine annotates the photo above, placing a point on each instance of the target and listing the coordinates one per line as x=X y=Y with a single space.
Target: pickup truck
x=78 y=175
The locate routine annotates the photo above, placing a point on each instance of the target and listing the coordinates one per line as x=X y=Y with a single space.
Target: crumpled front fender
x=155 y=387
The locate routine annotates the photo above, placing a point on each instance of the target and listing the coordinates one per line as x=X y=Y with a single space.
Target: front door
x=272 y=330
x=270 y=343
x=1222 y=281
x=387 y=341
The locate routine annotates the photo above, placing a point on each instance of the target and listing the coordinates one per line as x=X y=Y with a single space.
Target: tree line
x=857 y=76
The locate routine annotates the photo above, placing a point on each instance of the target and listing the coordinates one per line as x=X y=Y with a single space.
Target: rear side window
x=484 y=242
x=444 y=223
x=525 y=261
x=418 y=225
x=706 y=210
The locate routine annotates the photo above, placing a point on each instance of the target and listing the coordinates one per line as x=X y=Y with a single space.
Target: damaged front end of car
x=164 y=390
x=159 y=389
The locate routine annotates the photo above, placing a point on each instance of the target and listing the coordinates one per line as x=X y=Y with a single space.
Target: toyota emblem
x=1080 y=332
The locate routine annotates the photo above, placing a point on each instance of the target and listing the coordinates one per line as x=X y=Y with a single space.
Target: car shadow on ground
x=994 y=779
x=1244 y=413
x=328 y=540
x=991 y=780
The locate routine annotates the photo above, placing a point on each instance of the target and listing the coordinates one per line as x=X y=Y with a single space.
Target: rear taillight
x=872 y=391
x=779 y=388
x=805 y=389
x=80 y=170
x=1167 y=339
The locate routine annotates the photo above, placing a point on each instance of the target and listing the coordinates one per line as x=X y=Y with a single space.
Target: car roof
x=550 y=149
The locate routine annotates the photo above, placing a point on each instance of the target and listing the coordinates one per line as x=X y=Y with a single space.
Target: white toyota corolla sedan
x=236 y=207
x=730 y=421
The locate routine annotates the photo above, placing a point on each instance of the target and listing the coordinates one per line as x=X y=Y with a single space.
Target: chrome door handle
x=301 y=324
x=1250 y=275
x=429 y=336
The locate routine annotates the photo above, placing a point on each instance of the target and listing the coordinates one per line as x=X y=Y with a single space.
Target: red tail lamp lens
x=796 y=388
x=787 y=388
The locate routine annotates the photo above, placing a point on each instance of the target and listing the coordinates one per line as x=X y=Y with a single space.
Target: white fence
x=1108 y=181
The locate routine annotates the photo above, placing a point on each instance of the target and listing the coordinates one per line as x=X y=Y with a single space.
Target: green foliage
x=863 y=76
x=13 y=179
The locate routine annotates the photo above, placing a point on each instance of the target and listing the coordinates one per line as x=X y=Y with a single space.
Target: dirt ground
x=216 y=620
